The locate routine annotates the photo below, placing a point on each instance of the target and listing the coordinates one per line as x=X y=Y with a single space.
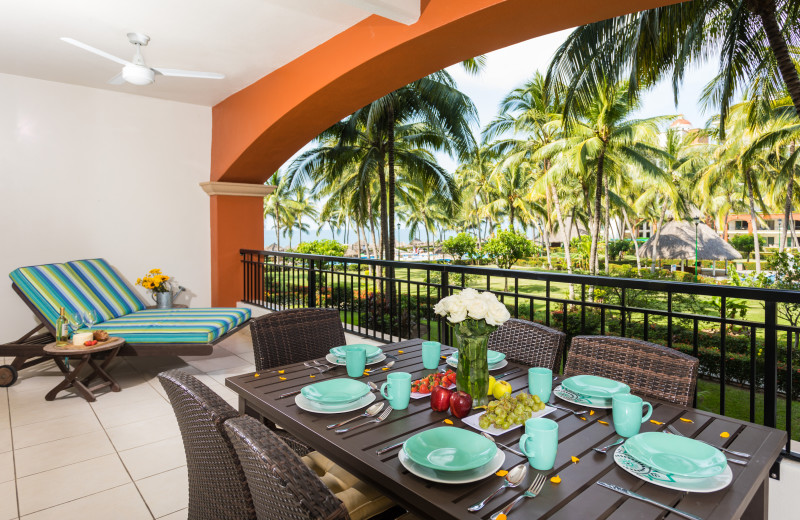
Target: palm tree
x=424 y=206
x=303 y=207
x=279 y=204
x=643 y=47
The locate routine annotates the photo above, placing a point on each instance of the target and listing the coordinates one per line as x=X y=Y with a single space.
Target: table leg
x=100 y=370
x=70 y=380
x=758 y=508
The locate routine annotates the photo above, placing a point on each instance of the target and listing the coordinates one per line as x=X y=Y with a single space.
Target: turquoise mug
x=628 y=415
x=540 y=382
x=355 y=359
x=431 y=353
x=540 y=442
x=397 y=390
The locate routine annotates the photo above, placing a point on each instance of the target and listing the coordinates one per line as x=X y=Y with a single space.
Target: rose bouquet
x=473 y=316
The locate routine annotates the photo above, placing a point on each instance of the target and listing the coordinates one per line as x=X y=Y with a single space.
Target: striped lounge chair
x=94 y=284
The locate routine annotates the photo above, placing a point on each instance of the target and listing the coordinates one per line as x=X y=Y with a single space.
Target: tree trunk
x=792 y=229
x=564 y=230
x=654 y=247
x=607 y=224
x=547 y=246
x=390 y=149
x=428 y=240
x=277 y=225
x=635 y=242
x=765 y=9
x=384 y=214
x=787 y=213
x=598 y=205
x=753 y=218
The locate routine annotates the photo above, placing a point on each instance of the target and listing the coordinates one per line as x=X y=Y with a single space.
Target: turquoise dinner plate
x=335 y=391
x=595 y=386
x=372 y=350
x=492 y=356
x=677 y=455
x=449 y=449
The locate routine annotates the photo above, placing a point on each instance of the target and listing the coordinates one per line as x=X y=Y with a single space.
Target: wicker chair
x=217 y=484
x=286 y=487
x=649 y=369
x=529 y=343
x=295 y=335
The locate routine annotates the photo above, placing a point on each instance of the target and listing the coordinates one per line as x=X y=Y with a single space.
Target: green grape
x=506 y=424
x=537 y=399
x=501 y=412
x=484 y=422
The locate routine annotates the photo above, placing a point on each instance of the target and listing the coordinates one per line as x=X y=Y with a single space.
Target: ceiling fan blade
x=91 y=49
x=187 y=73
x=117 y=80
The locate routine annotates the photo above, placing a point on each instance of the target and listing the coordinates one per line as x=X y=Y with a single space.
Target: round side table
x=85 y=355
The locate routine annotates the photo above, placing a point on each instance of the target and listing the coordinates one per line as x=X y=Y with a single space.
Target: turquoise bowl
x=595 y=386
x=449 y=449
x=372 y=350
x=677 y=455
x=492 y=356
x=335 y=391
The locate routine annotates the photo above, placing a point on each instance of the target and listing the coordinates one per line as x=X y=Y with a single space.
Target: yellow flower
x=155 y=271
x=556 y=480
x=575 y=459
x=138 y=281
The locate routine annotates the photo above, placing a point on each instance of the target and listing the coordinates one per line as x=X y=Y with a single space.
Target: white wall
x=88 y=173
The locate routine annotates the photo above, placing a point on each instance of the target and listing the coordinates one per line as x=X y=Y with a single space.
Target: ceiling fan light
x=137 y=75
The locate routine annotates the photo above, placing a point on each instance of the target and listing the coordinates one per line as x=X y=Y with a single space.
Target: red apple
x=460 y=404
x=440 y=399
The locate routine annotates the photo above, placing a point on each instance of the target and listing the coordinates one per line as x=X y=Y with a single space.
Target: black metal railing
x=388 y=300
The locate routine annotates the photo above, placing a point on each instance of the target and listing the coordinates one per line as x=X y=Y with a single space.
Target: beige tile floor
x=121 y=457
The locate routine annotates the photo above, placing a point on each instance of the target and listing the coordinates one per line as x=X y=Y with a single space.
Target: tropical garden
x=566 y=162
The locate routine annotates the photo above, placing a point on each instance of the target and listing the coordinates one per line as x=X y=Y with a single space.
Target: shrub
x=506 y=248
x=322 y=247
x=461 y=246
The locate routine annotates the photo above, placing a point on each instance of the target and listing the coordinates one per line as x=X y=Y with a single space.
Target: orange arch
x=257 y=129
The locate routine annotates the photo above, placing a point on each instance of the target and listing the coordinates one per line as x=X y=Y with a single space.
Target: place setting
x=496 y=360
x=338 y=355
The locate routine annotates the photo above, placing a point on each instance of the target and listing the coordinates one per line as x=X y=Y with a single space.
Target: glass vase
x=471 y=338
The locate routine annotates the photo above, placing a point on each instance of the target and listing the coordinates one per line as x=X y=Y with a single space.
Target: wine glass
x=90 y=317
x=75 y=320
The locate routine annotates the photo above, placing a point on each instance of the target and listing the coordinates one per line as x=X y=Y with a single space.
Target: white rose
x=457 y=316
x=488 y=297
x=469 y=294
x=497 y=314
x=477 y=309
x=439 y=308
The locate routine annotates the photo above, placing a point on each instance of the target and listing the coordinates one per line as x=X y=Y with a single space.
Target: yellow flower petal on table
x=602 y=422
x=444 y=357
x=724 y=435
x=256 y=375
x=583 y=418
x=385 y=368
x=502 y=473
x=591 y=413
x=684 y=419
x=501 y=516
x=281 y=371
x=400 y=352
x=448 y=421
x=282 y=378
x=556 y=480
x=575 y=459
x=312 y=375
x=656 y=422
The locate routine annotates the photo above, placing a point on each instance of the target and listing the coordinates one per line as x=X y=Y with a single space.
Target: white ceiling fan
x=135 y=71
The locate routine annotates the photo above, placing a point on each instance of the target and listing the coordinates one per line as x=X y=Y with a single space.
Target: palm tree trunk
x=635 y=242
x=753 y=218
x=384 y=215
x=547 y=245
x=564 y=230
x=598 y=204
x=654 y=248
x=606 y=225
x=765 y=9
x=428 y=240
x=390 y=152
x=792 y=229
x=787 y=212
x=277 y=225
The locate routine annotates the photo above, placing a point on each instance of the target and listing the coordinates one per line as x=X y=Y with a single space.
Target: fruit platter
x=423 y=387
x=508 y=413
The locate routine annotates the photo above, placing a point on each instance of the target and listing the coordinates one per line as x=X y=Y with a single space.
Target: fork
x=565 y=409
x=604 y=449
x=378 y=419
x=732 y=452
x=534 y=489
x=319 y=369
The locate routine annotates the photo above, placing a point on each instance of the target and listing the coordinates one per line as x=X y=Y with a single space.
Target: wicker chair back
x=294 y=335
x=650 y=370
x=283 y=487
x=529 y=343
x=217 y=484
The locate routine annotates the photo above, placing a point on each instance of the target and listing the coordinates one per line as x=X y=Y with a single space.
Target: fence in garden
x=738 y=333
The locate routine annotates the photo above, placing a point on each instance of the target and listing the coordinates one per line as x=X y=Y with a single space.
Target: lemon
x=500 y=389
x=491 y=385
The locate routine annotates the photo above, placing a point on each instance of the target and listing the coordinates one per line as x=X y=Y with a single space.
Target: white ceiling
x=242 y=39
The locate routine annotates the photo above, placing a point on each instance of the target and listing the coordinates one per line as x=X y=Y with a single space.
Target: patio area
x=120 y=457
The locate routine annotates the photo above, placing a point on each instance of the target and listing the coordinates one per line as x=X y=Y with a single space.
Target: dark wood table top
x=575 y=497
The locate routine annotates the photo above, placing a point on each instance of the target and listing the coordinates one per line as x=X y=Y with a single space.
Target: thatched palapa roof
x=677 y=242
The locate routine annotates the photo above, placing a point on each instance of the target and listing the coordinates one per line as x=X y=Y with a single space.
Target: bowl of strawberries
x=426 y=385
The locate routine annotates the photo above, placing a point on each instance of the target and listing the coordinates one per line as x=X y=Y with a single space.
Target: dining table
x=570 y=491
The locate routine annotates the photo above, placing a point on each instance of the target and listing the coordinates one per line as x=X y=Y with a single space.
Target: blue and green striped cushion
x=117 y=297
x=52 y=286
x=176 y=325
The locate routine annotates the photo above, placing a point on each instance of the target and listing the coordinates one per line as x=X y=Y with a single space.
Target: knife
x=506 y=373
x=288 y=394
x=388 y=448
x=631 y=494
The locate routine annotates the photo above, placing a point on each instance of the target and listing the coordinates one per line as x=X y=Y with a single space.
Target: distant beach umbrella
x=677 y=242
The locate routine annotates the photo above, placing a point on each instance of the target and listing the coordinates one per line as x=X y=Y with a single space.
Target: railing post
x=444 y=291
x=771 y=364
x=312 y=285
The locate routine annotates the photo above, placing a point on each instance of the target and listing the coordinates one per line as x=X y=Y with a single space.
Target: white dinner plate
x=333 y=359
x=454 y=363
x=453 y=477
x=311 y=406
x=473 y=419
x=653 y=476
x=582 y=400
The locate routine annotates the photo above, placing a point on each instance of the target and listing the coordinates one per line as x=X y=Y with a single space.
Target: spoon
x=373 y=386
x=513 y=479
x=390 y=364
x=370 y=412
x=512 y=450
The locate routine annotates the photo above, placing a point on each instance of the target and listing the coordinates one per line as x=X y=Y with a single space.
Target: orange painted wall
x=236 y=223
